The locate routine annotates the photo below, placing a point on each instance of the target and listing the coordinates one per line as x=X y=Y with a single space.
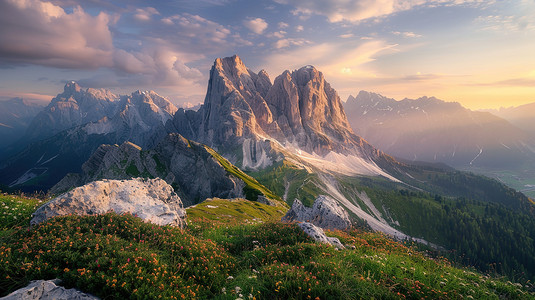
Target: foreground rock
x=153 y=200
x=319 y=236
x=47 y=289
x=325 y=213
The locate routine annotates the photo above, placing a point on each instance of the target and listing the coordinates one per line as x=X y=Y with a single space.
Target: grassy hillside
x=119 y=256
x=252 y=188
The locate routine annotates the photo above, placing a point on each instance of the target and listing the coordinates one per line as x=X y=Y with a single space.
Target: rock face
x=429 y=129
x=139 y=118
x=325 y=213
x=153 y=200
x=47 y=290
x=186 y=165
x=318 y=235
x=300 y=110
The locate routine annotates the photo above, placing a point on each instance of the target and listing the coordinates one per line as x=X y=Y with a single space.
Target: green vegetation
x=119 y=256
x=252 y=188
x=235 y=210
x=132 y=170
x=284 y=178
x=16 y=211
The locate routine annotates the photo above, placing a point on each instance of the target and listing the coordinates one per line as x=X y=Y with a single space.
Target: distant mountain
x=522 y=116
x=74 y=107
x=139 y=118
x=16 y=115
x=429 y=129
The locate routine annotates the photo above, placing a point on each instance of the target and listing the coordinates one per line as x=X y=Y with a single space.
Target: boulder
x=47 y=290
x=319 y=236
x=153 y=200
x=325 y=213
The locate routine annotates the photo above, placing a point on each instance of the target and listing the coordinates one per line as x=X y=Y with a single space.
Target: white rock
x=318 y=235
x=325 y=213
x=153 y=200
x=47 y=290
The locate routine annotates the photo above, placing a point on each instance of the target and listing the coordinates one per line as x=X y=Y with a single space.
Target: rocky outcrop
x=186 y=165
x=47 y=289
x=153 y=200
x=325 y=213
x=318 y=235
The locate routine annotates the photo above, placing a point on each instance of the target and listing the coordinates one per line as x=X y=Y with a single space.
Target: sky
x=479 y=53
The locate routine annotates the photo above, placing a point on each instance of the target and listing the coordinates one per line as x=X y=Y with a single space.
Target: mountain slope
x=429 y=129
x=195 y=171
x=522 y=116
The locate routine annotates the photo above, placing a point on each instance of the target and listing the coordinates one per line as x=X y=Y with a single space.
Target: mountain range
x=429 y=129
x=286 y=140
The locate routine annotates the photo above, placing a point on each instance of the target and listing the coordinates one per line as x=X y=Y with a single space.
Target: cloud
x=257 y=25
x=278 y=34
x=506 y=24
x=358 y=10
x=515 y=82
x=334 y=59
x=407 y=34
x=42 y=33
x=145 y=14
x=282 y=25
x=346 y=36
x=283 y=43
x=299 y=28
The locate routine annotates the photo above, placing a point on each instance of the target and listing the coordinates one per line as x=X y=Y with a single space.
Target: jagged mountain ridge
x=429 y=129
x=299 y=112
x=139 y=117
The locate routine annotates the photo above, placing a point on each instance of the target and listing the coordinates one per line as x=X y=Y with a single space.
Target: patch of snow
x=103 y=127
x=480 y=151
x=364 y=198
x=375 y=224
x=253 y=149
x=212 y=206
x=27 y=176
x=343 y=164
x=49 y=160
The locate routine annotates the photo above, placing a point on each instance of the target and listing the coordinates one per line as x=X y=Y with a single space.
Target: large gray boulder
x=325 y=213
x=153 y=200
x=318 y=235
x=47 y=290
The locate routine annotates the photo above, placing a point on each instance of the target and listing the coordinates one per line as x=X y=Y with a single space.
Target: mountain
x=74 y=107
x=429 y=129
x=522 y=116
x=16 y=115
x=252 y=122
x=139 y=118
x=195 y=171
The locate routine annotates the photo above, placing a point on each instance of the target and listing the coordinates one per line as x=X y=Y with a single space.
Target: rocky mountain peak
x=71 y=87
x=300 y=109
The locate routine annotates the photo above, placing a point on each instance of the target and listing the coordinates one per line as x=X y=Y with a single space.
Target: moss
x=252 y=187
x=132 y=170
